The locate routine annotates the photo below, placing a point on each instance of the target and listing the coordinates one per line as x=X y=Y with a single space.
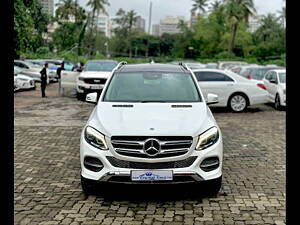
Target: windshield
x=152 y=87
x=281 y=77
x=100 y=66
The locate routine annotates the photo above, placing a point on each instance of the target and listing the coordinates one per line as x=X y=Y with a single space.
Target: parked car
x=21 y=81
x=36 y=76
x=257 y=73
x=195 y=65
x=151 y=125
x=53 y=64
x=234 y=91
x=275 y=82
x=94 y=76
x=212 y=65
x=224 y=64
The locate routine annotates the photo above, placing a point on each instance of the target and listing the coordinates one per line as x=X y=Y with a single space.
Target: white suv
x=94 y=76
x=151 y=125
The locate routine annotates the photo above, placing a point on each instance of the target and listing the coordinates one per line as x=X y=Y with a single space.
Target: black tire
x=88 y=186
x=80 y=96
x=277 y=103
x=212 y=187
x=235 y=98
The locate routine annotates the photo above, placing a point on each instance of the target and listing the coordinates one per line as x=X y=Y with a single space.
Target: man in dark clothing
x=44 y=80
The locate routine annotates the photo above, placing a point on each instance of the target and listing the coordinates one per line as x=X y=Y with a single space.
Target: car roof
x=102 y=60
x=279 y=70
x=155 y=67
x=233 y=75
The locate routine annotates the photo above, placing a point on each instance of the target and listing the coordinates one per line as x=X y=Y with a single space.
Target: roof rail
x=121 y=64
x=183 y=65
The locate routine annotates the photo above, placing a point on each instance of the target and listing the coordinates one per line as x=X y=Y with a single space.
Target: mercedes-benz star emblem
x=151 y=147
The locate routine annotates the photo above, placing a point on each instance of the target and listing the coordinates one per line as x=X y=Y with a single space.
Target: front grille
x=160 y=165
x=133 y=146
x=94 y=80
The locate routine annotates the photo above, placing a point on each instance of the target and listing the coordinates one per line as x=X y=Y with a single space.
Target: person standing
x=58 y=72
x=44 y=80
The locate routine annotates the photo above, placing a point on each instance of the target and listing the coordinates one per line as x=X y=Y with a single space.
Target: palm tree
x=199 y=5
x=65 y=9
x=97 y=6
x=215 y=6
x=282 y=16
x=131 y=17
x=238 y=11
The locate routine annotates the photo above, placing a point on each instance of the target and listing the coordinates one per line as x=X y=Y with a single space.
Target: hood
x=23 y=77
x=151 y=119
x=94 y=74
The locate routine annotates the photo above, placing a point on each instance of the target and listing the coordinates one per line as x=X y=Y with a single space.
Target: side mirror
x=92 y=98
x=212 y=99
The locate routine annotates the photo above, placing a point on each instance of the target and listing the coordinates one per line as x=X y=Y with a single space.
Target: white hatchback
x=234 y=91
x=275 y=82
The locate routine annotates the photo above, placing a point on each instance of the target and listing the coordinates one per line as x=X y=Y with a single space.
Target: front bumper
x=110 y=173
x=84 y=88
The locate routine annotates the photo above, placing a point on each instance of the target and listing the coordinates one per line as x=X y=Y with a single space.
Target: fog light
x=93 y=164
x=210 y=164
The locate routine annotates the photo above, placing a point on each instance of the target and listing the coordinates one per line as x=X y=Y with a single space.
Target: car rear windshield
x=100 y=66
x=152 y=87
x=282 y=77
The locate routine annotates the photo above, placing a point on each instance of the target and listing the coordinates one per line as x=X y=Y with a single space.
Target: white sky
x=162 y=8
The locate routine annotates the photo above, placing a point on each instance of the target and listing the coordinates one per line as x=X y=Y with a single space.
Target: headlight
x=208 y=138
x=81 y=78
x=95 y=138
x=284 y=91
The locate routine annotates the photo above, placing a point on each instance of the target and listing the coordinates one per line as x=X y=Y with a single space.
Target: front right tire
x=88 y=186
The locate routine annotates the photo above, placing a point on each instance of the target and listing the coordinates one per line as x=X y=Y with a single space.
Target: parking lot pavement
x=47 y=172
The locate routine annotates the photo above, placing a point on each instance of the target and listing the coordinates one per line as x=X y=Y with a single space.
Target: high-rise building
x=155 y=29
x=103 y=23
x=254 y=23
x=47 y=7
x=140 y=23
x=169 y=25
x=194 y=17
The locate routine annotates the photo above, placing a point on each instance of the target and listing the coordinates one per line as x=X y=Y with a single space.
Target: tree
x=125 y=30
x=237 y=11
x=199 y=5
x=97 y=6
x=29 y=25
x=65 y=10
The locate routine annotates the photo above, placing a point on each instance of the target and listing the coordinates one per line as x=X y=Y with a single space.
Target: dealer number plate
x=150 y=175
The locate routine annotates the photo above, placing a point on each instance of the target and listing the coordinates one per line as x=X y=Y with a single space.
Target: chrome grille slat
x=170 y=146
x=175 y=142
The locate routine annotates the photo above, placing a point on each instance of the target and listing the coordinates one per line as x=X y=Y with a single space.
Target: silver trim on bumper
x=109 y=175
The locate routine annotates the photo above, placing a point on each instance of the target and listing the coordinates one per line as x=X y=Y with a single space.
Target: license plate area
x=151 y=175
x=95 y=87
